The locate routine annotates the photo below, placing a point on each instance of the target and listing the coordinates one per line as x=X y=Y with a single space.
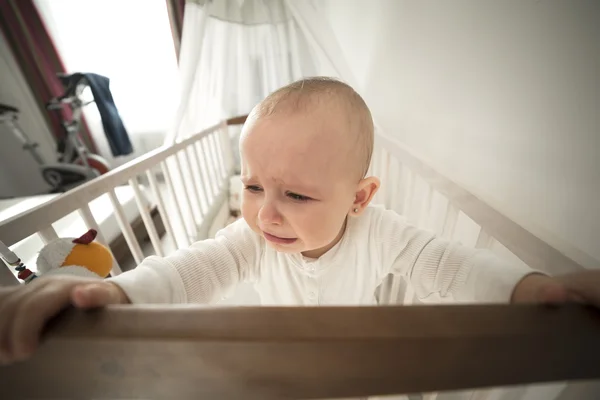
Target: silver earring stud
x=355 y=210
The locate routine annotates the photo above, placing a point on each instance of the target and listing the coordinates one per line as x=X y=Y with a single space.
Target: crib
x=247 y=352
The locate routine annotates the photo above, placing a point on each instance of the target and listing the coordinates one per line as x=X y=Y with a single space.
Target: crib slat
x=384 y=176
x=402 y=188
x=187 y=198
x=375 y=170
x=90 y=222
x=450 y=221
x=148 y=222
x=214 y=171
x=169 y=181
x=375 y=161
x=410 y=191
x=394 y=184
x=215 y=159
x=205 y=197
x=48 y=234
x=161 y=206
x=211 y=173
x=203 y=168
x=426 y=208
x=370 y=170
x=128 y=234
x=245 y=352
x=219 y=151
x=197 y=189
x=226 y=147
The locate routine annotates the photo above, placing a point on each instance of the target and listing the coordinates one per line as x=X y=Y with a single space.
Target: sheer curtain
x=129 y=42
x=233 y=53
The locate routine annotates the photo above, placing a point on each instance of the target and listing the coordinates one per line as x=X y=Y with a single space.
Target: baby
x=308 y=235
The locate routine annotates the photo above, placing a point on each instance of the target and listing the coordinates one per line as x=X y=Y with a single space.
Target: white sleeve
x=202 y=273
x=440 y=270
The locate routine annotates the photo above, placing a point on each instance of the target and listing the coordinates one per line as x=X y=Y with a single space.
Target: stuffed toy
x=73 y=256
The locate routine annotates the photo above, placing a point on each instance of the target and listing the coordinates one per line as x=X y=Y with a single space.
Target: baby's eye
x=298 y=197
x=253 y=188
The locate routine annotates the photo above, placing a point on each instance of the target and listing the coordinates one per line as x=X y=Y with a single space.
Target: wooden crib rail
x=326 y=352
x=239 y=120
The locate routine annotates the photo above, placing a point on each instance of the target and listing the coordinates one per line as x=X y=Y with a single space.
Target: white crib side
x=431 y=201
x=213 y=164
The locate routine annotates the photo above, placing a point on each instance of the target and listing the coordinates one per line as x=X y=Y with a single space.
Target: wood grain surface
x=194 y=352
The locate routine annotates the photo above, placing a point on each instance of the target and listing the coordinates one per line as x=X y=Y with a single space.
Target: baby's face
x=299 y=182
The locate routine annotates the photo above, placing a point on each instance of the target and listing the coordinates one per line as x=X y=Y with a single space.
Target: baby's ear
x=365 y=191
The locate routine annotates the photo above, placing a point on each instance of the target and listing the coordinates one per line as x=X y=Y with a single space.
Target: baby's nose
x=269 y=215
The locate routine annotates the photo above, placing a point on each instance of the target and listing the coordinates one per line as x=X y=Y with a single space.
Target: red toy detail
x=87 y=237
x=23 y=275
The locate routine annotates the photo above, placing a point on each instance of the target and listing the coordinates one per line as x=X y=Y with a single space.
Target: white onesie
x=375 y=244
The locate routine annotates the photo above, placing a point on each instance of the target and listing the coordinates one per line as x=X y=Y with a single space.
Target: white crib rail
x=401 y=172
x=215 y=163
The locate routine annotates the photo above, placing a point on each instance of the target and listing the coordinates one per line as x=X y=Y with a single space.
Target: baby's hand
x=581 y=287
x=25 y=309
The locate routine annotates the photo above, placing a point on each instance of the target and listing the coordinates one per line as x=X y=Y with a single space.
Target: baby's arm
x=439 y=270
x=202 y=273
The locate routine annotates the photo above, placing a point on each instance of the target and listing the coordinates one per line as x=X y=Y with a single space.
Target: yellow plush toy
x=73 y=256
x=81 y=257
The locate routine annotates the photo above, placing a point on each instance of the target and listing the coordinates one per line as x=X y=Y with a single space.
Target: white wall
x=502 y=96
x=19 y=174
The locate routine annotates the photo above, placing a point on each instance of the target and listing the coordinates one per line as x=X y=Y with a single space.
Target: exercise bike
x=76 y=165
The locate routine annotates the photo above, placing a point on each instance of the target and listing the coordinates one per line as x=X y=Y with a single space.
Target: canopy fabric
x=235 y=52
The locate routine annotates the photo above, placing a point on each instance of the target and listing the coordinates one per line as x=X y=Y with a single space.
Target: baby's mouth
x=277 y=239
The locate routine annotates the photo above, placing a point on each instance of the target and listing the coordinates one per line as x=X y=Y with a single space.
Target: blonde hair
x=307 y=93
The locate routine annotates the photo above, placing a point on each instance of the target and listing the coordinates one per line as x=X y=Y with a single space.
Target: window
x=129 y=42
